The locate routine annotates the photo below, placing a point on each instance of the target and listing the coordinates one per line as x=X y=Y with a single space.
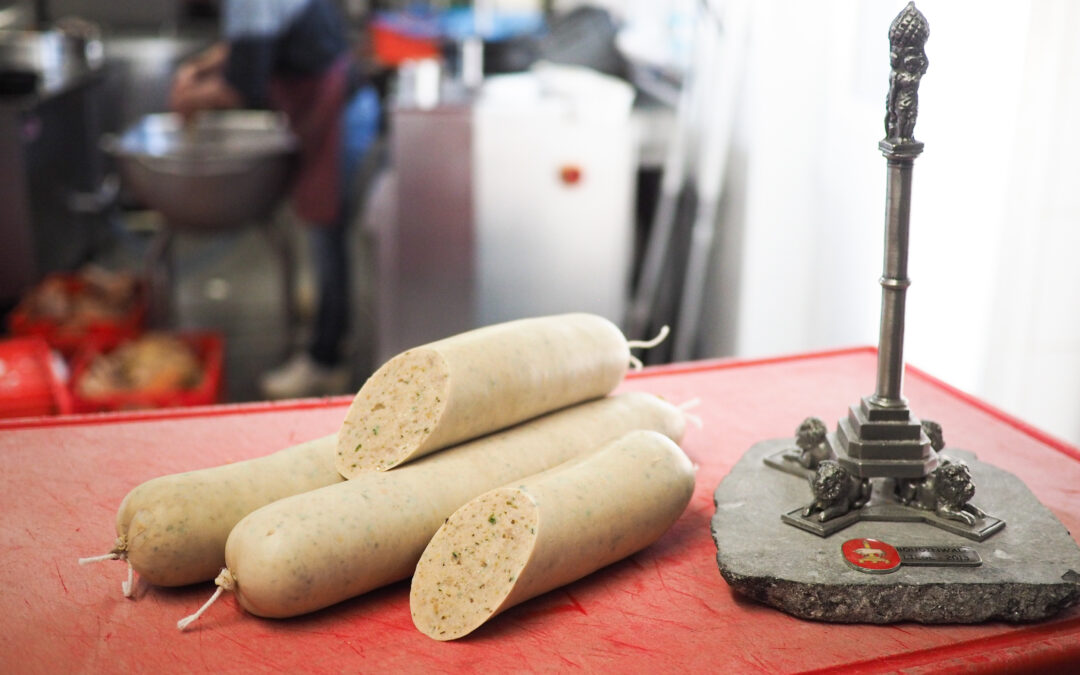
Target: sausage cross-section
x=527 y=538
x=319 y=548
x=467 y=385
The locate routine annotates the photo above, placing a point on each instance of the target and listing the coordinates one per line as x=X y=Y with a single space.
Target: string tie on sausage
x=686 y=406
x=119 y=552
x=225 y=581
x=99 y=558
x=635 y=362
x=128 y=587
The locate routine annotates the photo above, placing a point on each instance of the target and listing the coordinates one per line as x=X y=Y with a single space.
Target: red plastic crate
x=68 y=339
x=30 y=380
x=392 y=47
x=208 y=347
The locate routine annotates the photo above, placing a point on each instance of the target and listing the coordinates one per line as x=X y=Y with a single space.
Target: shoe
x=301 y=377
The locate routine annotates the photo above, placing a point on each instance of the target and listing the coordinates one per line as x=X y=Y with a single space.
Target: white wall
x=995 y=303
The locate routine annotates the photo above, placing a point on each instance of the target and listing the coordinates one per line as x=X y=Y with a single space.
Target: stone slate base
x=1030 y=570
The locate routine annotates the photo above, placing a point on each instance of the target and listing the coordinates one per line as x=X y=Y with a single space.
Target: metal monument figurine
x=884 y=473
x=882 y=463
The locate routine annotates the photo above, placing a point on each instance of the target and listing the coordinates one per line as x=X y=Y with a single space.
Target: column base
x=881 y=464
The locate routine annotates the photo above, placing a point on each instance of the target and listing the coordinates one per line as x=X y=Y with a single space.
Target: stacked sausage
x=498 y=451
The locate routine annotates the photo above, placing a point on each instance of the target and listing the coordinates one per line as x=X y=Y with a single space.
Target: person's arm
x=210 y=60
x=200 y=84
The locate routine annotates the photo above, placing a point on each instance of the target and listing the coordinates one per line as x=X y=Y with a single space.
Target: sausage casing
x=470 y=384
x=172 y=529
x=313 y=550
x=527 y=538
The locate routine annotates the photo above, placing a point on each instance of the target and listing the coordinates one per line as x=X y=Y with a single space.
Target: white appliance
x=554 y=161
x=516 y=203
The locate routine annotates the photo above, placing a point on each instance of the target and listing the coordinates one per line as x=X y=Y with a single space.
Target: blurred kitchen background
x=707 y=164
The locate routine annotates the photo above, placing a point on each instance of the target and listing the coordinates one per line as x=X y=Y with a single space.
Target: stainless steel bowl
x=225 y=170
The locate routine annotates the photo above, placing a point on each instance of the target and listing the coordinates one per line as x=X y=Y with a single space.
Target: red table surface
x=664 y=609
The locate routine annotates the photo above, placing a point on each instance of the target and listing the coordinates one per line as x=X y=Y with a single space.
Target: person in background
x=293 y=56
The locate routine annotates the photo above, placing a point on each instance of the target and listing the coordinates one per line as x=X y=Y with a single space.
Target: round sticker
x=870 y=555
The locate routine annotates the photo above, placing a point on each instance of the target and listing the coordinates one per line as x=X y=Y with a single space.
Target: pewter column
x=907 y=38
x=881 y=463
x=894 y=283
x=880 y=438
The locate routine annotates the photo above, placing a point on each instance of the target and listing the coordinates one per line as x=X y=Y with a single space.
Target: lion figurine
x=836 y=491
x=933 y=431
x=946 y=491
x=812 y=447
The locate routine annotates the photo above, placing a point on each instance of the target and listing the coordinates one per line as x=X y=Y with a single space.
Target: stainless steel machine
x=227 y=170
x=50 y=167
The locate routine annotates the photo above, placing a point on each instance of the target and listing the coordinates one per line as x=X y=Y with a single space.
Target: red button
x=870 y=555
x=570 y=174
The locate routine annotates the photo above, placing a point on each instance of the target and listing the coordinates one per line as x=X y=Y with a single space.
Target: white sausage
x=172 y=529
x=527 y=538
x=467 y=385
x=313 y=550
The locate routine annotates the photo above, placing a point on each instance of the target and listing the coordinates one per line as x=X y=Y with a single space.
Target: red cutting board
x=664 y=609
